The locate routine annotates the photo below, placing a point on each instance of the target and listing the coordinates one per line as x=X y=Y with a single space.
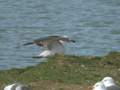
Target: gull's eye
x=105 y=80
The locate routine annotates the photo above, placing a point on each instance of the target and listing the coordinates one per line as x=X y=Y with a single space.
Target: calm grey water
x=94 y=24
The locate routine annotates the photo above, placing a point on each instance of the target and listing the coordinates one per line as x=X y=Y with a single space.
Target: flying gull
x=110 y=83
x=99 y=86
x=17 y=86
x=52 y=44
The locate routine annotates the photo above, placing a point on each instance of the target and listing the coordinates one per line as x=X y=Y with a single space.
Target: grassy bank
x=65 y=72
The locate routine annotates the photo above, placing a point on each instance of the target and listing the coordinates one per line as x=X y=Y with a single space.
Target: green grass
x=78 y=70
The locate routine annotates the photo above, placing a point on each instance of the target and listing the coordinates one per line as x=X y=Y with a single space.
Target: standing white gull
x=99 y=86
x=17 y=86
x=110 y=83
x=52 y=44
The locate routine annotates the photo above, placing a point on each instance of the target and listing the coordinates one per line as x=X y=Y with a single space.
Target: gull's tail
x=29 y=43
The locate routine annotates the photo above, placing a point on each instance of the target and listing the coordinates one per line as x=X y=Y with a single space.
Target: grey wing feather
x=25 y=88
x=113 y=88
x=54 y=45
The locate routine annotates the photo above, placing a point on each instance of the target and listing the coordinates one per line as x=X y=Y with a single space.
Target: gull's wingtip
x=37 y=57
x=29 y=43
x=73 y=41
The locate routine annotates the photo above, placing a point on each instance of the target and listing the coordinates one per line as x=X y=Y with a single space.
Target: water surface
x=95 y=25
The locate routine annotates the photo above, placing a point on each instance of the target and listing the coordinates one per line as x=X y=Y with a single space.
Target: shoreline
x=65 y=71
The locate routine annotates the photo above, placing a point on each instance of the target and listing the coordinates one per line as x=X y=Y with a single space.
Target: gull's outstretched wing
x=43 y=41
x=48 y=40
x=52 y=45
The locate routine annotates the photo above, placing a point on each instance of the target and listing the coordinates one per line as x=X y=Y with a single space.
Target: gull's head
x=108 y=81
x=99 y=86
x=66 y=38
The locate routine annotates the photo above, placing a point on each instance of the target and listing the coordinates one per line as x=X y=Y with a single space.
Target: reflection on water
x=94 y=25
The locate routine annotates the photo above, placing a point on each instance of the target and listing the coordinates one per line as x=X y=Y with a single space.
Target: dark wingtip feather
x=29 y=43
x=73 y=41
